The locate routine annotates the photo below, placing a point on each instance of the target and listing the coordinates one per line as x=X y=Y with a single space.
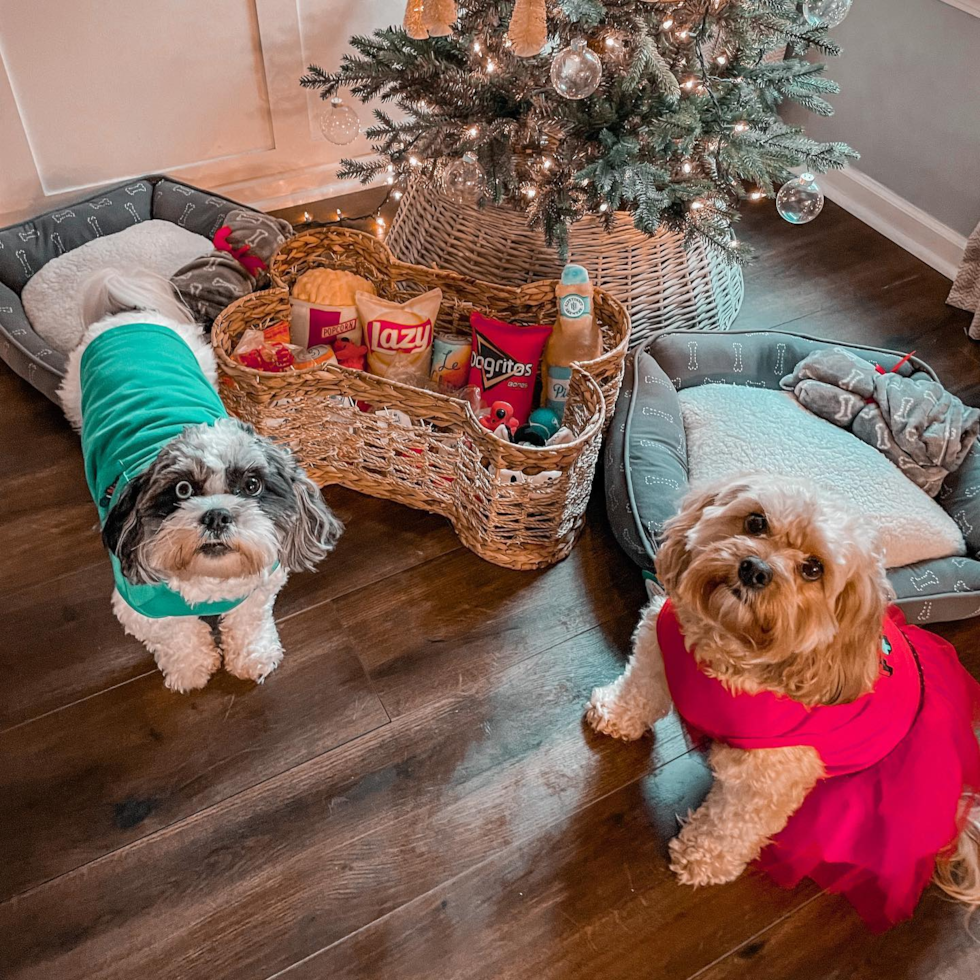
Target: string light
x=491 y=67
x=307 y=217
x=689 y=83
x=684 y=34
x=413 y=161
x=472 y=131
x=722 y=59
x=529 y=191
x=547 y=163
x=380 y=223
x=697 y=205
x=390 y=179
x=340 y=214
x=477 y=48
x=686 y=166
x=756 y=196
x=603 y=206
x=741 y=126
x=397 y=195
x=668 y=23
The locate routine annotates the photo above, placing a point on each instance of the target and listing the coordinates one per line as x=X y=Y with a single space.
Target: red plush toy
x=350 y=355
x=252 y=264
x=501 y=413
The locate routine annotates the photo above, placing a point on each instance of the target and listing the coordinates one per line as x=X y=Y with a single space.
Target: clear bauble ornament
x=800 y=201
x=615 y=49
x=463 y=181
x=576 y=71
x=339 y=122
x=827 y=12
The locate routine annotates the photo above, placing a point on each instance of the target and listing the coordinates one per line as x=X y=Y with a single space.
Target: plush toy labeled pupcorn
x=324 y=308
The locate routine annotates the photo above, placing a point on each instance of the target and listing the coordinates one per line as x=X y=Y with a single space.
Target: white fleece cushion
x=733 y=430
x=52 y=296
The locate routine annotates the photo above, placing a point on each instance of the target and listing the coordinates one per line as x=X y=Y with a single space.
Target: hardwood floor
x=412 y=794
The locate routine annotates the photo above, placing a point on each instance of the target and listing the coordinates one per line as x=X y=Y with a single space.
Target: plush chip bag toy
x=399 y=335
x=504 y=361
x=323 y=307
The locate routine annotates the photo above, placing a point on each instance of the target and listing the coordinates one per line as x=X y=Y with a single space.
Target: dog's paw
x=611 y=715
x=256 y=665
x=700 y=861
x=191 y=676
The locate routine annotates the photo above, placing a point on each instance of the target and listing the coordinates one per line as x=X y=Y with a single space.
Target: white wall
x=910 y=103
x=208 y=90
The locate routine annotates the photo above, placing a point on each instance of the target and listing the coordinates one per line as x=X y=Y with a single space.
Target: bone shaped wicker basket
x=446 y=462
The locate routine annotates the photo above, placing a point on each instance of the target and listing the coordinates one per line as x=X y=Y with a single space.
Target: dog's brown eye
x=252 y=486
x=184 y=490
x=812 y=569
x=756 y=524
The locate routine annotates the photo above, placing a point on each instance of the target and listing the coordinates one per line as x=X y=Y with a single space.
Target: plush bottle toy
x=576 y=337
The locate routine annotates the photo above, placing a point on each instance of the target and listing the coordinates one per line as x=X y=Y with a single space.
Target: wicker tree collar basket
x=515 y=506
x=662 y=284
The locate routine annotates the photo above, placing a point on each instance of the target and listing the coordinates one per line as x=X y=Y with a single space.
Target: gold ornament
x=439 y=17
x=429 y=18
x=528 y=31
x=413 y=20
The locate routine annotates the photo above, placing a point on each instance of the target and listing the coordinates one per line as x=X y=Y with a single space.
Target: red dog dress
x=902 y=765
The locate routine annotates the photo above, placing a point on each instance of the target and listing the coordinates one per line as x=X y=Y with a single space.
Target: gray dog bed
x=27 y=247
x=647 y=464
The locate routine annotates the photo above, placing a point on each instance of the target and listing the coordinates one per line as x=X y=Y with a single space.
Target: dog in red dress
x=843 y=739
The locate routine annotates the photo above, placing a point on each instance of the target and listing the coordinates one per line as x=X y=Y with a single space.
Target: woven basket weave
x=662 y=285
x=446 y=462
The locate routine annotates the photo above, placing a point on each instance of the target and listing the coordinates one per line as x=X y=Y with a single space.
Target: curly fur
x=814 y=641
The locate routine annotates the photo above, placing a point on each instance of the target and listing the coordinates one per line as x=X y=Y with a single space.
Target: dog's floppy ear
x=673 y=556
x=122 y=533
x=853 y=658
x=315 y=532
x=309 y=530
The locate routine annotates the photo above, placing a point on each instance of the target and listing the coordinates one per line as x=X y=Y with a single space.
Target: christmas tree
x=568 y=108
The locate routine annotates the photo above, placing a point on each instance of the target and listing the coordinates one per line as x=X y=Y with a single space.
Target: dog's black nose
x=216 y=519
x=754 y=573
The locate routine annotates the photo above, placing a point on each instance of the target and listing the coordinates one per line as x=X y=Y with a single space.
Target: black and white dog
x=203 y=519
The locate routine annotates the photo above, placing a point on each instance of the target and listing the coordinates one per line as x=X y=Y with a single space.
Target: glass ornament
x=339 y=123
x=576 y=71
x=800 y=201
x=828 y=12
x=615 y=49
x=463 y=181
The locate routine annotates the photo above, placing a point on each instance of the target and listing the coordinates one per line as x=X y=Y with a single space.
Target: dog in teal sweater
x=202 y=518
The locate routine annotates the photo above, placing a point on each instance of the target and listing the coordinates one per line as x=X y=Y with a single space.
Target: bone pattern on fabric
x=916 y=423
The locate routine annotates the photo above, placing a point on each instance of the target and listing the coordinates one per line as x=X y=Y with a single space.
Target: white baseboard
x=919 y=233
x=289 y=189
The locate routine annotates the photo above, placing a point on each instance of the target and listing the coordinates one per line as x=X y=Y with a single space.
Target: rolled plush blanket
x=243 y=247
x=923 y=429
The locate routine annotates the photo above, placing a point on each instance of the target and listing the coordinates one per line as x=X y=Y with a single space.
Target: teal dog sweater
x=141 y=387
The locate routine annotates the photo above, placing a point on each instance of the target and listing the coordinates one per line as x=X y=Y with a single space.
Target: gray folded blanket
x=914 y=421
x=235 y=268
